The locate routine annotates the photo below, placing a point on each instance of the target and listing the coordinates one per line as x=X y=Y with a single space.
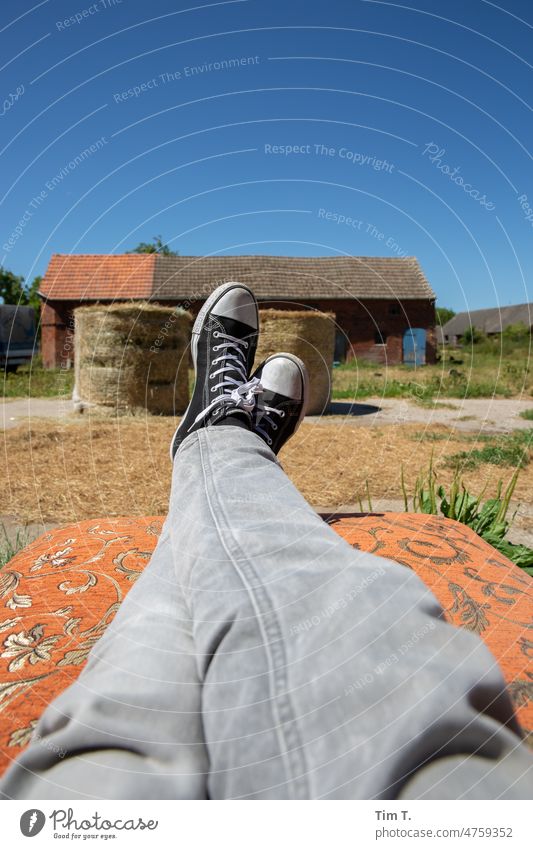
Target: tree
x=34 y=299
x=12 y=289
x=156 y=246
x=443 y=314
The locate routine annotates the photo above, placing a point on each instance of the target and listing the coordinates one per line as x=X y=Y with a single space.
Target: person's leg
x=131 y=724
x=327 y=672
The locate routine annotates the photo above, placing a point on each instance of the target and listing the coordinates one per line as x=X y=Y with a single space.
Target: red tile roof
x=92 y=277
x=180 y=278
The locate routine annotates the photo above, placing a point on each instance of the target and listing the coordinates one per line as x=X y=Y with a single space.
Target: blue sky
x=298 y=128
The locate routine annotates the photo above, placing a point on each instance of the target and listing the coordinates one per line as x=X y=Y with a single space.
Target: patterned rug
x=59 y=594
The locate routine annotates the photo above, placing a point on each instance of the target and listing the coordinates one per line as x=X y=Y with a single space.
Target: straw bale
x=309 y=335
x=132 y=357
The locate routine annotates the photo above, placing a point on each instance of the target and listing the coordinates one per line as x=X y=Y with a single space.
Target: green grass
x=34 y=381
x=486 y=370
x=527 y=414
x=9 y=547
x=508 y=449
x=428 y=386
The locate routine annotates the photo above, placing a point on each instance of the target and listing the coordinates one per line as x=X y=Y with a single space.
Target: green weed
x=9 y=547
x=488 y=519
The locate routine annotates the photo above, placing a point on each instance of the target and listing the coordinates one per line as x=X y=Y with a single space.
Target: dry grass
x=92 y=468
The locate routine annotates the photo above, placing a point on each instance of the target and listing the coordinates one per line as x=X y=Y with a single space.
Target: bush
x=516 y=332
x=473 y=336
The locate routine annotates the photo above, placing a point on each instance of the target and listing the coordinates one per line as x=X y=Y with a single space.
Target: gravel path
x=16 y=411
x=472 y=414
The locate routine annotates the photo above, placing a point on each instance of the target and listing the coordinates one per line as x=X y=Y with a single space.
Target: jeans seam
x=290 y=745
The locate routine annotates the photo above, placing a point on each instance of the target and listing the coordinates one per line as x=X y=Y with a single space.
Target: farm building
x=381 y=304
x=489 y=321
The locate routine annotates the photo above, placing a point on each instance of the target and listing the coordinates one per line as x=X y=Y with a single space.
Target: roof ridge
x=217 y=257
x=114 y=256
x=498 y=308
x=272 y=256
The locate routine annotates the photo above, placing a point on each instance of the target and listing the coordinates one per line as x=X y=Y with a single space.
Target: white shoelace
x=267 y=411
x=240 y=392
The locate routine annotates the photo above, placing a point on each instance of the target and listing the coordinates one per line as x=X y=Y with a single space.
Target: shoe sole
x=196 y=331
x=305 y=382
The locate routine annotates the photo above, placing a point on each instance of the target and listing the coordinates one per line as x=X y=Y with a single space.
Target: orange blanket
x=59 y=594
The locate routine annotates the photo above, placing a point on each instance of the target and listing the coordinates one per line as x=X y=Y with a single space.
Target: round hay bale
x=131 y=357
x=309 y=335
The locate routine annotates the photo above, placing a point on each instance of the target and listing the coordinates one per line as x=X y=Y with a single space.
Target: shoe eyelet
x=282 y=414
x=274 y=426
x=213 y=389
x=216 y=334
x=246 y=344
x=269 y=441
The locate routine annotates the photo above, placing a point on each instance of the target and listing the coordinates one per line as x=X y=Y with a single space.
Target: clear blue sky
x=111 y=134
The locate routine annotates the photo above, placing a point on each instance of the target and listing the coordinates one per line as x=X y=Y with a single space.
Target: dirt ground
x=58 y=471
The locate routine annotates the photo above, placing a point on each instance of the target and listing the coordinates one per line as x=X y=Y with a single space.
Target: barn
x=380 y=303
x=492 y=321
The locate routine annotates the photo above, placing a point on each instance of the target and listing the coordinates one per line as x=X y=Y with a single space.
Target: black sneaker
x=224 y=340
x=281 y=406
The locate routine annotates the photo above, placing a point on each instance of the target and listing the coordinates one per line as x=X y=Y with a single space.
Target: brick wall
x=364 y=322
x=361 y=324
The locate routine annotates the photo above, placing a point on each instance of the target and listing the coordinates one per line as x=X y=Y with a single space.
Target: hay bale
x=309 y=335
x=131 y=357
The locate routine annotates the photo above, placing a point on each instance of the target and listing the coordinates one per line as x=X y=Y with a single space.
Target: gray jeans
x=260 y=656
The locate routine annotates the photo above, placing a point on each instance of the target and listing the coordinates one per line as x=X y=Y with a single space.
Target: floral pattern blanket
x=59 y=594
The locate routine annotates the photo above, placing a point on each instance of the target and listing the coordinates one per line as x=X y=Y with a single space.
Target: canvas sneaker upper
x=224 y=341
x=281 y=406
